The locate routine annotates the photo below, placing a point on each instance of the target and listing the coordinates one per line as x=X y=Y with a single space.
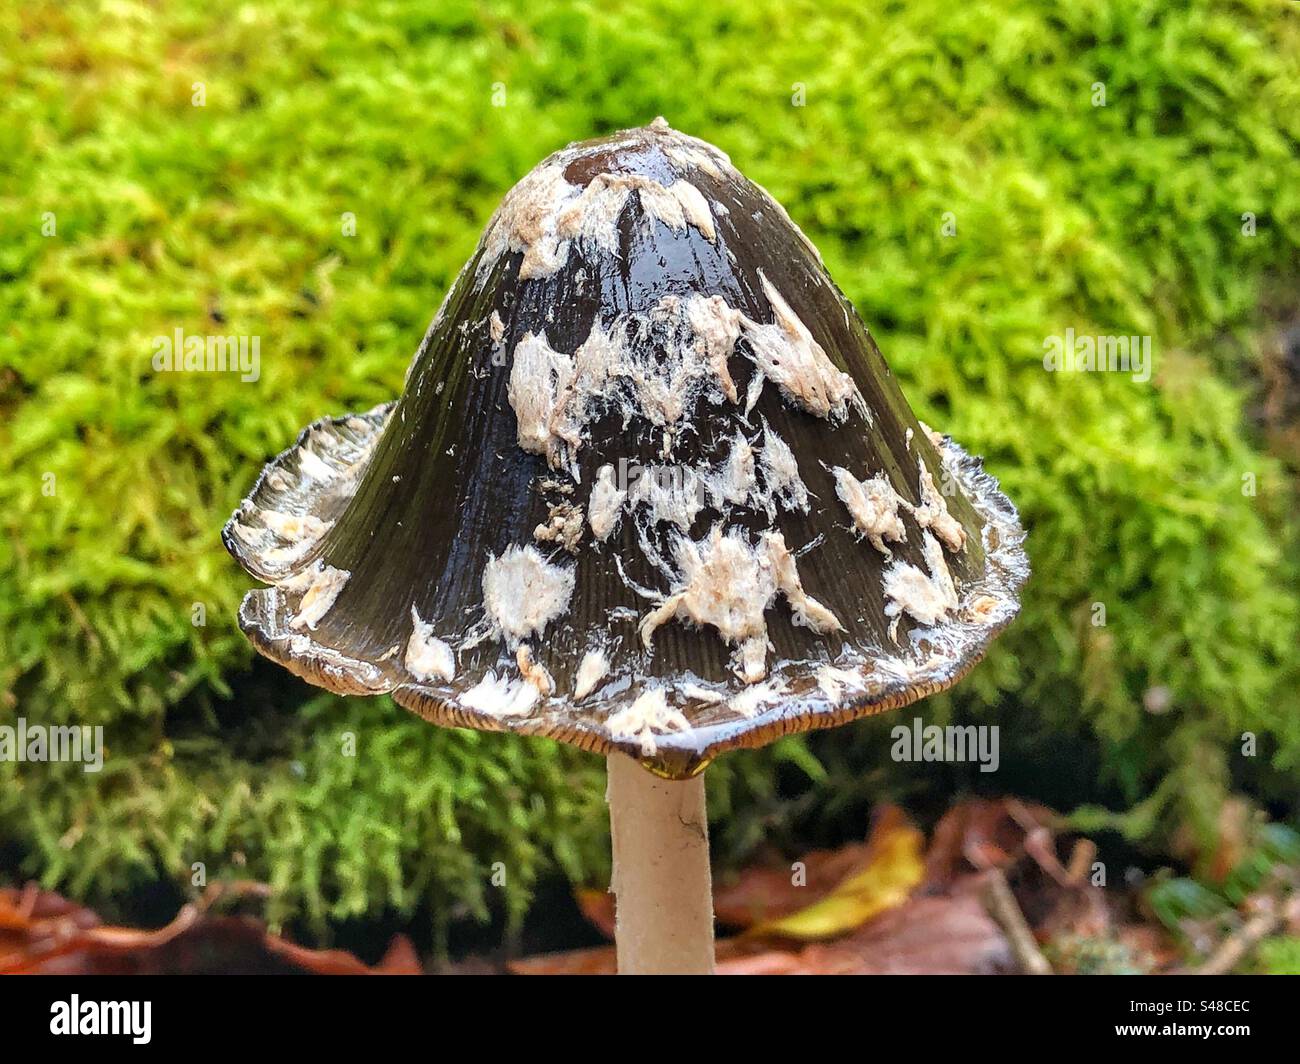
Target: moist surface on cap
x=650 y=487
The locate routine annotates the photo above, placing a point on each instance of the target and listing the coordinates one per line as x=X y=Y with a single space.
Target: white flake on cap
x=501 y=697
x=592 y=669
x=325 y=584
x=936 y=438
x=563 y=525
x=427 y=656
x=717 y=328
x=737 y=481
x=781 y=474
x=539 y=376
x=700 y=693
x=645 y=718
x=533 y=671
x=728 y=584
x=594 y=212
x=525 y=222
x=650 y=366
x=670 y=494
x=873 y=504
x=932 y=512
x=928 y=599
x=687 y=152
x=302 y=579
x=833 y=681
x=523 y=593
x=786 y=354
x=753 y=698
x=655 y=365
x=807 y=611
x=605 y=506
x=544 y=214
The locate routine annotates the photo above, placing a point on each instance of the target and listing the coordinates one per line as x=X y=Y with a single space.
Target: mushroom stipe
x=650 y=489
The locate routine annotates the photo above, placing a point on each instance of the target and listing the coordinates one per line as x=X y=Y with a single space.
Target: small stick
x=1239 y=945
x=1001 y=905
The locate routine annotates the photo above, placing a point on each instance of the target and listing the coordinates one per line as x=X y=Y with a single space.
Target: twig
x=1239 y=945
x=1001 y=905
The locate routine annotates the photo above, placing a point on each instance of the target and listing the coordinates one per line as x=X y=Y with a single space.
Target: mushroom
x=650 y=489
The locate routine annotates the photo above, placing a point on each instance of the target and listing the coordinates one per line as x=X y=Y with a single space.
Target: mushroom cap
x=650 y=487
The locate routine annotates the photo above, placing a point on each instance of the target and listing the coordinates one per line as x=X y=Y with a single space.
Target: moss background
x=870 y=125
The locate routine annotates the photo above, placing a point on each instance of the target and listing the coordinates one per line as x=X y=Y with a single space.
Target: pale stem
x=661 y=879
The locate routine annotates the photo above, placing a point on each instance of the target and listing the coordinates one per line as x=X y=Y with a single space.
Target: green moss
x=1279 y=956
x=1122 y=219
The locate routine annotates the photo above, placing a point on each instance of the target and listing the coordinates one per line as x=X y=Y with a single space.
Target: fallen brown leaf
x=982 y=833
x=769 y=893
x=949 y=935
x=43 y=933
x=935 y=935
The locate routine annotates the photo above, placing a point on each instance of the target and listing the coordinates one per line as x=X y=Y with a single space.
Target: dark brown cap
x=650 y=487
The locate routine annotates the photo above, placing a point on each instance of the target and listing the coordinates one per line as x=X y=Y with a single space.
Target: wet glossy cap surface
x=650 y=487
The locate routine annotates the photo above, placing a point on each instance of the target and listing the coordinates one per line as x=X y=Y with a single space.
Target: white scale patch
x=645 y=718
x=781 y=475
x=543 y=215
x=716 y=328
x=728 y=584
x=563 y=525
x=501 y=696
x=753 y=698
x=690 y=153
x=325 y=583
x=534 y=672
x=927 y=598
x=591 y=670
x=670 y=495
x=523 y=593
x=699 y=693
x=654 y=366
x=593 y=213
x=427 y=656
x=605 y=504
x=833 y=681
x=932 y=513
x=873 y=504
x=538 y=377
x=935 y=438
x=737 y=480
x=786 y=354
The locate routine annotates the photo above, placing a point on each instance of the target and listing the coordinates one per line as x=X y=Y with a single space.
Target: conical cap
x=650 y=487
